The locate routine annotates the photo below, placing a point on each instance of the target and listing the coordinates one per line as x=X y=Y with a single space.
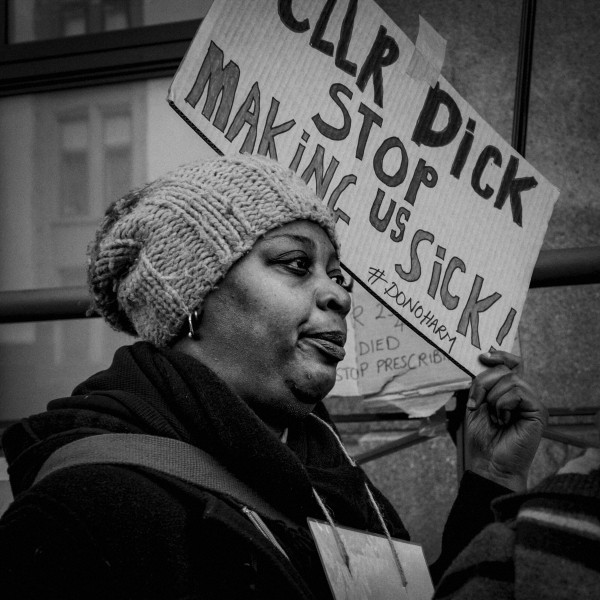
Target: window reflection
x=65 y=18
x=71 y=21
x=117 y=15
x=94 y=133
x=117 y=151
x=65 y=156
x=31 y=20
x=74 y=175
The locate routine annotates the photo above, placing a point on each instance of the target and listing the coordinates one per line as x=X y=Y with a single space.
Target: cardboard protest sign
x=386 y=360
x=438 y=216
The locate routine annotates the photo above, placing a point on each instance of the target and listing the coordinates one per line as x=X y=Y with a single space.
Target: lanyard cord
x=374 y=504
x=336 y=533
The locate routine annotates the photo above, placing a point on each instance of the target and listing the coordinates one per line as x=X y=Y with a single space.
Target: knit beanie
x=162 y=248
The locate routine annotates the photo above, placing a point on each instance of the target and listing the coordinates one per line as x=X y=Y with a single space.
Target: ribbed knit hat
x=161 y=249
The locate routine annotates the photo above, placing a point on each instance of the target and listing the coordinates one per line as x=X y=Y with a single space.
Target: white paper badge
x=371 y=571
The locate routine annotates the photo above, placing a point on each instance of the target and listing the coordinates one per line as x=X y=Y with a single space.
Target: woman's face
x=274 y=329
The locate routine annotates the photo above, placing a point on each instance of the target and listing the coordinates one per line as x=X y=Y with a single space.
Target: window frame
x=92 y=59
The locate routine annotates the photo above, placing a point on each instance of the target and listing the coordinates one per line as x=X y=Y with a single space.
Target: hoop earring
x=193 y=323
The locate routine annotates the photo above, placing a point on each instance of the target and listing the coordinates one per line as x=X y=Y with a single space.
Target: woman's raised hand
x=505 y=421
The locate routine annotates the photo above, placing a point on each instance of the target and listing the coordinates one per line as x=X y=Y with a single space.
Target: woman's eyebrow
x=302 y=239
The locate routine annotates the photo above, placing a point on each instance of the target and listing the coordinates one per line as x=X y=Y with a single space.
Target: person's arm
x=548 y=536
x=504 y=424
x=505 y=421
x=470 y=513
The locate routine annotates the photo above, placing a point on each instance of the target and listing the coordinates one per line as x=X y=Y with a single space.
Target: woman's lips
x=329 y=343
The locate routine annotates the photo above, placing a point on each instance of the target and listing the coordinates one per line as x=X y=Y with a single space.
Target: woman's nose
x=332 y=296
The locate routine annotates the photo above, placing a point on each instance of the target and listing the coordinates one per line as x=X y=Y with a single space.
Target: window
x=84 y=44
x=117 y=154
x=74 y=167
x=108 y=148
x=36 y=20
x=52 y=19
x=64 y=157
x=90 y=151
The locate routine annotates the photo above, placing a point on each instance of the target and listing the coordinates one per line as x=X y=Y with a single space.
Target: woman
x=229 y=273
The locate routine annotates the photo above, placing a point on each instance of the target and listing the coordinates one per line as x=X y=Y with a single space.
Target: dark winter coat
x=108 y=531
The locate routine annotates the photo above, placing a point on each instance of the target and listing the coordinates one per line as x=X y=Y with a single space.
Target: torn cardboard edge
x=421 y=392
x=418 y=407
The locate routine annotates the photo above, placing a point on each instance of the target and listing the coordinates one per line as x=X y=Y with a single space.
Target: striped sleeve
x=484 y=569
x=546 y=544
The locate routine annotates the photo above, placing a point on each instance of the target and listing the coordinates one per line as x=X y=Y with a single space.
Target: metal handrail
x=569 y=266
x=572 y=266
x=49 y=304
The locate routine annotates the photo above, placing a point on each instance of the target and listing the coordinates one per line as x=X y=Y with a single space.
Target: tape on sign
x=428 y=56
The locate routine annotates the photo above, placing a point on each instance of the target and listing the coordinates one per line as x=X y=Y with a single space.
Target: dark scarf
x=170 y=394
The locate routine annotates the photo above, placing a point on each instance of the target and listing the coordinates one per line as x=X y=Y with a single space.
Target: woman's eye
x=298 y=265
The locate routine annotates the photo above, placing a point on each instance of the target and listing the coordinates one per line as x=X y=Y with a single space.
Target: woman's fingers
x=512 y=381
x=502 y=364
x=483 y=383
x=499 y=357
x=508 y=406
x=509 y=398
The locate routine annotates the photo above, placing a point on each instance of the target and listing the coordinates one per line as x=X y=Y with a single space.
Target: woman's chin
x=313 y=388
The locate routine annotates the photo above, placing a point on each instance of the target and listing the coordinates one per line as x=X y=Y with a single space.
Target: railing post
x=519 y=143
